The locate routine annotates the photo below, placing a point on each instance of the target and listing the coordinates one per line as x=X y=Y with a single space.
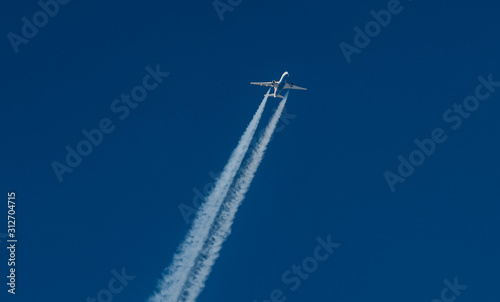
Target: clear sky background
x=323 y=173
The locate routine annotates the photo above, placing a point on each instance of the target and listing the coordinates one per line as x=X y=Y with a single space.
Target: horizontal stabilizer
x=272 y=95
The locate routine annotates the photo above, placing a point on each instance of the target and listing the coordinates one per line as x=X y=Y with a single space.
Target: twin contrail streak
x=222 y=226
x=175 y=276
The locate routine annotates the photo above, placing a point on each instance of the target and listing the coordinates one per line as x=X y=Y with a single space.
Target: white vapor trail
x=174 y=277
x=222 y=226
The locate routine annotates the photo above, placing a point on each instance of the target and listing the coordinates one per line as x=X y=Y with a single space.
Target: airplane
x=279 y=85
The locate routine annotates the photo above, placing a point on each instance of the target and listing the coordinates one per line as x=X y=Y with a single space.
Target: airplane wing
x=291 y=86
x=267 y=84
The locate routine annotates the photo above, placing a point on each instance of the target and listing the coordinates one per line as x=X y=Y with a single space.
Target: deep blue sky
x=323 y=174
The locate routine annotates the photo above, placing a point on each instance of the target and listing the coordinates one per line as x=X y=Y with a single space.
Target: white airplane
x=279 y=85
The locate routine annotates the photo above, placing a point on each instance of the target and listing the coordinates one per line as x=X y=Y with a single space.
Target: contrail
x=174 y=277
x=222 y=226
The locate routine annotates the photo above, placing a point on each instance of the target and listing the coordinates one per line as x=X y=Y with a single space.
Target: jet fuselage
x=281 y=84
